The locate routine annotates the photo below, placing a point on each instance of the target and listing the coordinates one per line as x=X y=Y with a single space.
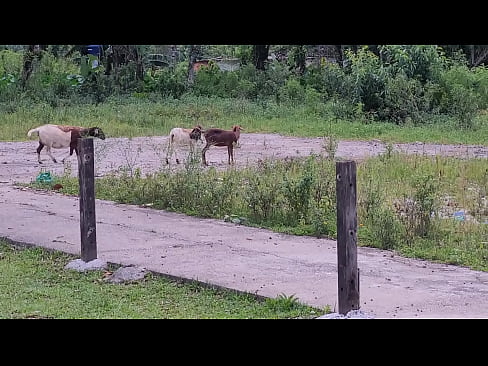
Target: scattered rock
x=127 y=274
x=82 y=266
x=353 y=314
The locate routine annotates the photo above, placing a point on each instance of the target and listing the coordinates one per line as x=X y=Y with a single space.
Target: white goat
x=62 y=136
x=182 y=137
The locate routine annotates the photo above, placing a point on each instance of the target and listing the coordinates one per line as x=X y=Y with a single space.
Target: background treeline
x=414 y=84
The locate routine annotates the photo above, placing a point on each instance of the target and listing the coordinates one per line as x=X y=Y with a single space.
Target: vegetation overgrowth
x=427 y=207
x=35 y=284
x=369 y=95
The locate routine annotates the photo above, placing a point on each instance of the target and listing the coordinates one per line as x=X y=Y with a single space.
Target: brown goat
x=219 y=137
x=62 y=136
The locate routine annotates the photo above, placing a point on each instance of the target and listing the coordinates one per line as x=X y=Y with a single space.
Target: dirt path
x=249 y=259
x=18 y=160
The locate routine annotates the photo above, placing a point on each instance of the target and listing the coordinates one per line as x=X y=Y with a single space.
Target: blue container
x=459 y=215
x=94 y=49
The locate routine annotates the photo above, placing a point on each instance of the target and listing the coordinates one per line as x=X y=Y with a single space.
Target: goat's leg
x=48 y=150
x=169 y=150
x=204 y=150
x=39 y=148
x=176 y=156
x=71 y=149
x=230 y=153
x=192 y=150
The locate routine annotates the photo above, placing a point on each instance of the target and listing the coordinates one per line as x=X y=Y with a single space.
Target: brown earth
x=18 y=160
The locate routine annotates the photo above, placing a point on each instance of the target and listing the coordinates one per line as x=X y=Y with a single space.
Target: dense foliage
x=415 y=84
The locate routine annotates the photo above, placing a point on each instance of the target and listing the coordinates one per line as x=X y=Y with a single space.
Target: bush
x=10 y=63
x=262 y=194
x=369 y=79
x=292 y=92
x=459 y=98
x=420 y=62
x=168 y=82
x=404 y=97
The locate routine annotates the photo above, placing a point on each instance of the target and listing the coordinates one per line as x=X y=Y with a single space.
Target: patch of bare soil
x=18 y=160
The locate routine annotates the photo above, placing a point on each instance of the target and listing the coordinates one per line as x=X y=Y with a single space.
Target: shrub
x=459 y=97
x=10 y=63
x=420 y=62
x=168 y=82
x=369 y=78
x=403 y=98
x=417 y=213
x=292 y=92
x=262 y=194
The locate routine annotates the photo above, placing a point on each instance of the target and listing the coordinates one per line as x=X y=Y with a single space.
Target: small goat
x=219 y=137
x=62 y=136
x=182 y=137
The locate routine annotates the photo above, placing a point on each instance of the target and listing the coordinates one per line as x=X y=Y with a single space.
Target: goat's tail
x=34 y=130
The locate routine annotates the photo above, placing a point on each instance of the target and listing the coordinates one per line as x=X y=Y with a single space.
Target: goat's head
x=96 y=132
x=196 y=133
x=236 y=128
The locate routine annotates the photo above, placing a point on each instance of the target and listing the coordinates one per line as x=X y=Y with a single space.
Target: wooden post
x=86 y=177
x=347 y=266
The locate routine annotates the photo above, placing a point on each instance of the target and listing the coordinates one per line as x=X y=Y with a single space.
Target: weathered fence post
x=86 y=178
x=347 y=266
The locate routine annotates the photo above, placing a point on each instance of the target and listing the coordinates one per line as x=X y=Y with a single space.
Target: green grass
x=298 y=197
x=440 y=186
x=131 y=117
x=34 y=284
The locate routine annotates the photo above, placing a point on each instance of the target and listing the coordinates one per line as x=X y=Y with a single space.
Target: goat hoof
x=177 y=161
x=167 y=161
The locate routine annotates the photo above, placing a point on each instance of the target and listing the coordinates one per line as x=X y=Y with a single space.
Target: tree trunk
x=195 y=53
x=174 y=55
x=260 y=56
x=121 y=55
x=482 y=56
x=340 y=54
x=31 y=52
x=300 y=59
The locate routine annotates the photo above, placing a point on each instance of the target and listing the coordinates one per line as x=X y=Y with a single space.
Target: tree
x=476 y=55
x=260 y=56
x=31 y=52
x=195 y=53
x=298 y=61
x=120 y=55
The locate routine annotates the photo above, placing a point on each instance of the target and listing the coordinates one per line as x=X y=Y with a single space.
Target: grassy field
x=34 y=284
x=141 y=117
